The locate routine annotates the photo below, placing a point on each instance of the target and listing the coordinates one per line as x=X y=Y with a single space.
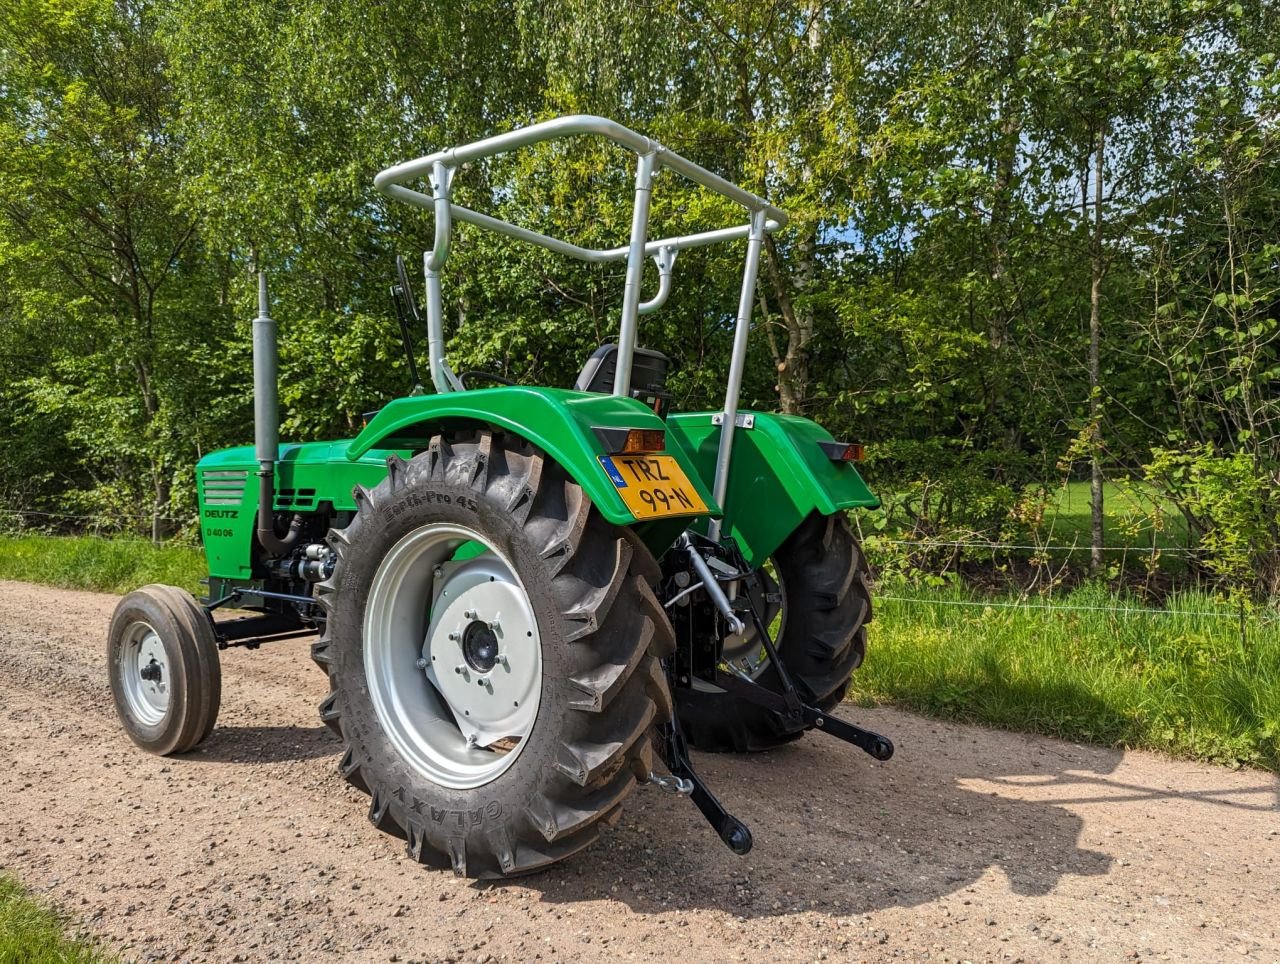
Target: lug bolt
x=461 y=669
x=437 y=572
x=421 y=663
x=502 y=658
x=470 y=614
x=455 y=636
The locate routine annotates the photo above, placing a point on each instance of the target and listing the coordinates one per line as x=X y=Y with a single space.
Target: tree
x=93 y=240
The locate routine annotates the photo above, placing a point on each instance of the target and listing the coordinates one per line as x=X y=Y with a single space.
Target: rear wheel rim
x=744 y=654
x=452 y=655
x=145 y=674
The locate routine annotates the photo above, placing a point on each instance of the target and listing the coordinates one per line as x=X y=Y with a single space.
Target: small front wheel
x=162 y=658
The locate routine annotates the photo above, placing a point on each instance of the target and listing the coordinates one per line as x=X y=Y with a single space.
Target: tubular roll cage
x=651 y=157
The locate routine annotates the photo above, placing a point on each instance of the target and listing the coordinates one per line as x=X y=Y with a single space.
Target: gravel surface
x=968 y=845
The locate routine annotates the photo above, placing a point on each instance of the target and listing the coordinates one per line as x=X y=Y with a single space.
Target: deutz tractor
x=526 y=598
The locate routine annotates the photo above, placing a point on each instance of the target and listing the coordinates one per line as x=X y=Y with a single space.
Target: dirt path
x=969 y=845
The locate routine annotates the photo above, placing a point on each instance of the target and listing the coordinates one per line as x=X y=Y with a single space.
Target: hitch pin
x=671 y=784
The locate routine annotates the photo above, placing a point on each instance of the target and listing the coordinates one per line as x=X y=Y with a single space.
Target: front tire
x=826 y=604
x=162 y=660
x=540 y=577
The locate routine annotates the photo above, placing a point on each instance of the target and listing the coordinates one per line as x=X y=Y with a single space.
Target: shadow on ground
x=835 y=832
x=838 y=833
x=265 y=744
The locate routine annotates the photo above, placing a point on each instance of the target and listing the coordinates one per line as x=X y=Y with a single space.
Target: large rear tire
x=550 y=603
x=826 y=604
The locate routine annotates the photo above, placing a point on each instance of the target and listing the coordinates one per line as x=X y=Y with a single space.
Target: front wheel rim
x=452 y=655
x=144 y=674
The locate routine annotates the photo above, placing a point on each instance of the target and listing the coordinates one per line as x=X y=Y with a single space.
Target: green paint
x=558 y=421
x=778 y=476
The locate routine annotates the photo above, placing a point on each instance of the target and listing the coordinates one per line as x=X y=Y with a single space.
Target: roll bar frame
x=439 y=168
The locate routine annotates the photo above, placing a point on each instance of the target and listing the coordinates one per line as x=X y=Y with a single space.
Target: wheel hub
x=480 y=646
x=146 y=689
x=481 y=650
x=744 y=652
x=453 y=657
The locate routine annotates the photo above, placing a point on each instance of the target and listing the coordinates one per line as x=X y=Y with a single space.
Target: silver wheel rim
x=743 y=654
x=145 y=674
x=452 y=655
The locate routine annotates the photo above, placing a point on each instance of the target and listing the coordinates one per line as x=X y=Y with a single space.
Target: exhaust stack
x=266 y=427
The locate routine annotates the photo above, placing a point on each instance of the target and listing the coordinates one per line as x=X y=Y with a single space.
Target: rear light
x=643 y=440
x=632 y=441
x=842 y=451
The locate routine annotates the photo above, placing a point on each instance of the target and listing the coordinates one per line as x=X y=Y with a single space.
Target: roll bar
x=651 y=157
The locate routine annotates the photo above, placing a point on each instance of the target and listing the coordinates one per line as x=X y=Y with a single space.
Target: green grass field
x=1134 y=518
x=31 y=933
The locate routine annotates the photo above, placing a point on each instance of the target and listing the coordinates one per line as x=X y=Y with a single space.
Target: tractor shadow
x=840 y=834
x=265 y=744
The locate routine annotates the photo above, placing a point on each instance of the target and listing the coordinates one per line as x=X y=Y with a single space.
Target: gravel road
x=968 y=845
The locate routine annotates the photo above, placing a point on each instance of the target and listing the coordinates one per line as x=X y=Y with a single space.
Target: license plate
x=652 y=486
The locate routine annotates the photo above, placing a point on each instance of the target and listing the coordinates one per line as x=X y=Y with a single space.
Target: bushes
x=1233 y=503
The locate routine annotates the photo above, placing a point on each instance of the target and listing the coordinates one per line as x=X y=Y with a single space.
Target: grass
x=1134 y=516
x=31 y=933
x=95 y=563
x=1186 y=684
x=1056 y=540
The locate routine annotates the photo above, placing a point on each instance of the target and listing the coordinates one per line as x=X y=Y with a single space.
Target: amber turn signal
x=632 y=441
x=842 y=451
x=644 y=440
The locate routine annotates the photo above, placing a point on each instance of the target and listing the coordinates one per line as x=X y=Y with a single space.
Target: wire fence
x=101 y=520
x=185 y=534
x=1266 y=615
x=1031 y=547
x=927 y=544
x=96 y=523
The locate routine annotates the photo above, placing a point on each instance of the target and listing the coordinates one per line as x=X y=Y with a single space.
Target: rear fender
x=558 y=421
x=779 y=475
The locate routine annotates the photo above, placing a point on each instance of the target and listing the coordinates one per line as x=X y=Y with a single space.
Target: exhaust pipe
x=266 y=428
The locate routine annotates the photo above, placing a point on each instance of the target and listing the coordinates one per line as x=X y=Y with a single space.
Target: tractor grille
x=224 y=487
x=296 y=498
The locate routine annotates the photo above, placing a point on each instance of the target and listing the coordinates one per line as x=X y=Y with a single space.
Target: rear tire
x=162 y=660
x=596 y=631
x=826 y=606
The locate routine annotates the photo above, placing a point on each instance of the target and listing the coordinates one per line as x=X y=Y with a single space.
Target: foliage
x=99 y=564
x=1027 y=243
x=1233 y=508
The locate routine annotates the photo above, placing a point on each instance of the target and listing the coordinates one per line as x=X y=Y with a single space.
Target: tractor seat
x=648 y=375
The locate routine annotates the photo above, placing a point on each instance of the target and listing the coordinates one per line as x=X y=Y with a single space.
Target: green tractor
x=524 y=597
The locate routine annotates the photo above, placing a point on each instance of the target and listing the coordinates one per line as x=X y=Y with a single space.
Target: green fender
x=313 y=474
x=558 y=421
x=779 y=476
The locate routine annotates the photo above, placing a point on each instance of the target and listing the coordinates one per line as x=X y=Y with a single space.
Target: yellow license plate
x=652 y=485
